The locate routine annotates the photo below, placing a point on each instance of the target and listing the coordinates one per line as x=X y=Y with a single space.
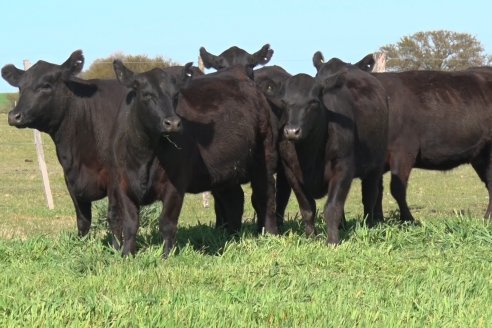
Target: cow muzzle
x=171 y=124
x=292 y=132
x=15 y=118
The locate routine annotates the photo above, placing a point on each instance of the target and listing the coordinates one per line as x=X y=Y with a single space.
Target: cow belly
x=229 y=170
x=86 y=184
x=229 y=157
x=447 y=155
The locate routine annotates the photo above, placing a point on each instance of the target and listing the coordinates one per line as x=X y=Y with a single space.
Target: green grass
x=5 y=103
x=436 y=274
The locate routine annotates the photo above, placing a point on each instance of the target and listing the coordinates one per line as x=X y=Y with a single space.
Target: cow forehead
x=333 y=66
x=40 y=70
x=233 y=52
x=301 y=83
x=158 y=80
x=299 y=90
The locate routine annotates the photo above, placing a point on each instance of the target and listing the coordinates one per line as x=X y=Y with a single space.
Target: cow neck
x=75 y=127
x=313 y=144
x=139 y=145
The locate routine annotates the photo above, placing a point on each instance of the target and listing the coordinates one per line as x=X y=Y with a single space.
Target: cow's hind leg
x=400 y=172
x=370 y=194
x=263 y=197
x=338 y=189
x=483 y=167
x=229 y=207
x=282 y=195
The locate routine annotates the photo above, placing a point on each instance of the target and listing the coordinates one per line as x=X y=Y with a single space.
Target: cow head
x=154 y=96
x=40 y=87
x=298 y=98
x=269 y=80
x=366 y=64
x=236 y=56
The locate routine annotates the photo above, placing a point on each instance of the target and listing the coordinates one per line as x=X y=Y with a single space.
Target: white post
x=42 y=163
x=205 y=195
x=380 y=62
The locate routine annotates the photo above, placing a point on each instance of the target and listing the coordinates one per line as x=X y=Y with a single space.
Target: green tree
x=435 y=50
x=102 y=68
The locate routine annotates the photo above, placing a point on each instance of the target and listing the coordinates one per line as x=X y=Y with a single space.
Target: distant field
x=436 y=274
x=5 y=104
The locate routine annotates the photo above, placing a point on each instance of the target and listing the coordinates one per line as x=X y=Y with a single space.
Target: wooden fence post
x=380 y=62
x=41 y=161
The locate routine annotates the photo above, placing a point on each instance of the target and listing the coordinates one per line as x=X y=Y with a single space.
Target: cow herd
x=157 y=135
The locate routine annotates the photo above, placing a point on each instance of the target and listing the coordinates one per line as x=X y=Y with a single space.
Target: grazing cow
x=335 y=129
x=77 y=115
x=438 y=121
x=213 y=134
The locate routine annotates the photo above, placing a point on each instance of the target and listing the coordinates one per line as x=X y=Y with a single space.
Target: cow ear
x=186 y=75
x=318 y=60
x=74 y=64
x=333 y=81
x=209 y=60
x=12 y=74
x=263 y=56
x=366 y=63
x=123 y=74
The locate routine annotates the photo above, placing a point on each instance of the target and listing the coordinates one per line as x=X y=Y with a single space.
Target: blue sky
x=51 y=30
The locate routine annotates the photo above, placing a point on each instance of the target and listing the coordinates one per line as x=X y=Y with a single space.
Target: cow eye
x=45 y=87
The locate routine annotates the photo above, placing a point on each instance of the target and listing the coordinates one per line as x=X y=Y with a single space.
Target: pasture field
x=438 y=273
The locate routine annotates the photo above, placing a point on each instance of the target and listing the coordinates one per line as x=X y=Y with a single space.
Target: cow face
x=299 y=99
x=236 y=56
x=155 y=95
x=39 y=89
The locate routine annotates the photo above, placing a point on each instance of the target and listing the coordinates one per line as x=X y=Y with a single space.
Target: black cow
x=237 y=56
x=214 y=134
x=335 y=130
x=78 y=115
x=438 y=121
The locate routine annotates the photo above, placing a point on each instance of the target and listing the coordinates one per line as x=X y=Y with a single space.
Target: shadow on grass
x=209 y=240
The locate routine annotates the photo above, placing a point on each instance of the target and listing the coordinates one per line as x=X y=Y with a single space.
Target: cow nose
x=172 y=124
x=15 y=118
x=292 y=132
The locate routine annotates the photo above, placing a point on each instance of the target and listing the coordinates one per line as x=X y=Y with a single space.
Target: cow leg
x=229 y=207
x=338 y=189
x=400 y=172
x=128 y=214
x=378 y=207
x=83 y=211
x=370 y=194
x=484 y=170
x=263 y=200
x=114 y=220
x=168 y=222
x=219 y=204
x=263 y=186
x=293 y=174
x=282 y=196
